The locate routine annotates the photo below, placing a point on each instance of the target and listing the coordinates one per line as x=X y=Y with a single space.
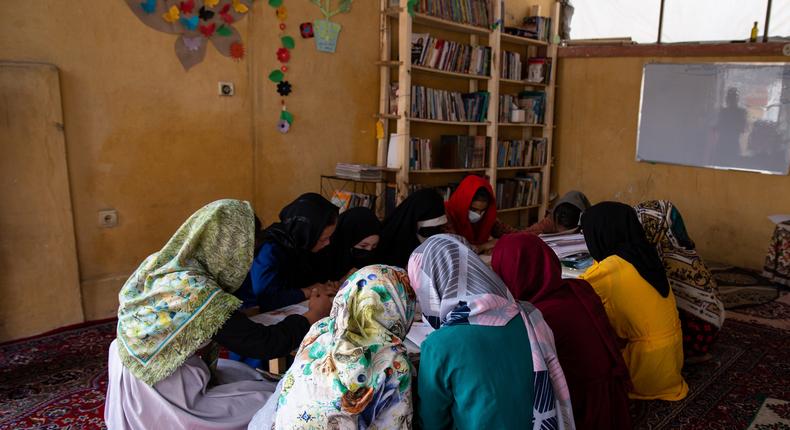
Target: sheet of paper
x=778 y=219
x=567 y=244
x=419 y=331
x=277 y=315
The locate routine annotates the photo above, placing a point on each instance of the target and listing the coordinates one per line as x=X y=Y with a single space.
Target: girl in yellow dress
x=630 y=279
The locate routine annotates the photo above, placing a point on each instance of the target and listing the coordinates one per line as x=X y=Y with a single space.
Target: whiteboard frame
x=639 y=118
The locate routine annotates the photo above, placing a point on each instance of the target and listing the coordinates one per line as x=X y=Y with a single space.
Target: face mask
x=474 y=217
x=361 y=255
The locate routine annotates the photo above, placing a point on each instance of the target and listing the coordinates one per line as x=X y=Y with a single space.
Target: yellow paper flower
x=171 y=15
x=282 y=13
x=210 y=3
x=240 y=7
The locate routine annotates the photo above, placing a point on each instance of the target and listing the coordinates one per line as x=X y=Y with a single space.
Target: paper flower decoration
x=190 y=20
x=306 y=30
x=281 y=13
x=283 y=126
x=283 y=88
x=283 y=55
x=237 y=50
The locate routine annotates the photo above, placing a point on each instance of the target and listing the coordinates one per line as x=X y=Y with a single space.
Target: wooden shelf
x=521 y=168
x=452 y=74
x=421 y=18
x=436 y=121
x=522 y=208
x=525 y=83
x=386 y=116
x=481 y=169
x=518 y=40
x=519 y=124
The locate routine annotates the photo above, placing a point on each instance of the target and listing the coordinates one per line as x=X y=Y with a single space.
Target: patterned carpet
x=57 y=381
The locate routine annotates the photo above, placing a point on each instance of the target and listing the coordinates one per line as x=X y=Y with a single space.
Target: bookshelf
x=397 y=27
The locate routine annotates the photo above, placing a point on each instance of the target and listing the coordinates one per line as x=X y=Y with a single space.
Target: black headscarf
x=299 y=229
x=340 y=256
x=399 y=233
x=302 y=222
x=612 y=228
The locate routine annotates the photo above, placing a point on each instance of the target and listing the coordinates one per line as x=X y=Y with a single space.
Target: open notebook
x=419 y=329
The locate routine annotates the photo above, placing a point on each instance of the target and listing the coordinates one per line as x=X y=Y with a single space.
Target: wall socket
x=226 y=89
x=108 y=218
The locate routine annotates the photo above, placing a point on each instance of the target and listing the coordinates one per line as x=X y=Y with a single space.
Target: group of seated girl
x=493 y=361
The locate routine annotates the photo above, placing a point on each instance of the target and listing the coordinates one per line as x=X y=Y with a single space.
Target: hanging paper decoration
x=196 y=22
x=283 y=55
x=306 y=30
x=326 y=31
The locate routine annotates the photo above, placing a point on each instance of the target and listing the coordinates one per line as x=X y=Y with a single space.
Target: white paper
x=277 y=315
x=778 y=219
x=565 y=245
x=416 y=336
x=394 y=152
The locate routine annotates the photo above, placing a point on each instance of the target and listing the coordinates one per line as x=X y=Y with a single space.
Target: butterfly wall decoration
x=197 y=23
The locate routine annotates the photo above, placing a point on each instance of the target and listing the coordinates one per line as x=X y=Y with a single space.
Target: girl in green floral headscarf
x=173 y=308
x=352 y=371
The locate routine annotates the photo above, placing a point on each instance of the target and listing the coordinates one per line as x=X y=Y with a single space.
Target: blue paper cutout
x=149 y=6
x=190 y=23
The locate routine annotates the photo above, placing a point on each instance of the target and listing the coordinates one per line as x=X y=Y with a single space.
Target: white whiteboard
x=717 y=115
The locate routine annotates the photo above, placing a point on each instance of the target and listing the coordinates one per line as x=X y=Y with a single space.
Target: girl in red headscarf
x=586 y=344
x=471 y=210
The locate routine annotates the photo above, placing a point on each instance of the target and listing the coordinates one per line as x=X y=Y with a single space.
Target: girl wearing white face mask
x=471 y=212
x=418 y=217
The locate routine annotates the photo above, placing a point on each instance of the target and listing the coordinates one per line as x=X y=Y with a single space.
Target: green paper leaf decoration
x=410 y=6
x=288 y=42
x=223 y=30
x=276 y=75
x=288 y=116
x=345 y=6
x=275 y=3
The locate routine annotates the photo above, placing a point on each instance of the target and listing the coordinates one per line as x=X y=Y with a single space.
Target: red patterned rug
x=57 y=381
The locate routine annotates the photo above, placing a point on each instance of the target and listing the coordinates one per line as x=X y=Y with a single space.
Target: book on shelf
x=534 y=102
x=479 y=13
x=365 y=172
x=443 y=105
x=511 y=66
x=537 y=27
x=518 y=192
x=538 y=70
x=444 y=190
x=507 y=104
x=451 y=152
x=346 y=200
x=449 y=56
x=522 y=153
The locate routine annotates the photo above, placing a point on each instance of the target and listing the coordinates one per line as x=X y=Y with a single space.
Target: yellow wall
x=598 y=104
x=334 y=99
x=155 y=142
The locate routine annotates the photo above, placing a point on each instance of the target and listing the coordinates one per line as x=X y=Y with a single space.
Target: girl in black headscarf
x=417 y=218
x=630 y=279
x=353 y=244
x=281 y=272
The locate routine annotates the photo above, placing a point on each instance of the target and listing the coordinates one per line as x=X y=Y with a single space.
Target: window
x=684 y=20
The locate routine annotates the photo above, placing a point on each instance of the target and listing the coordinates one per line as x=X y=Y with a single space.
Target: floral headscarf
x=454 y=287
x=692 y=283
x=352 y=370
x=180 y=296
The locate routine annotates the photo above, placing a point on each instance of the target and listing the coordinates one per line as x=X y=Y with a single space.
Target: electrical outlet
x=108 y=218
x=226 y=89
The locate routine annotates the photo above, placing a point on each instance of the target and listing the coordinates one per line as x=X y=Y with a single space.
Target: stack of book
x=522 y=153
x=538 y=70
x=360 y=172
x=442 y=105
x=452 y=152
x=518 y=192
x=537 y=27
x=474 y=12
x=511 y=66
x=346 y=200
x=440 y=54
x=534 y=102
